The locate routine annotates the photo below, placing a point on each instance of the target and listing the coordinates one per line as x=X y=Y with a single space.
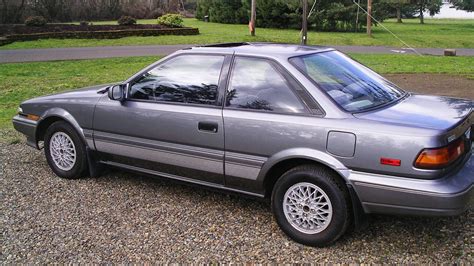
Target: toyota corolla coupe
x=321 y=136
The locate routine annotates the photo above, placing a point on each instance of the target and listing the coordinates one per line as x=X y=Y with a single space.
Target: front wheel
x=311 y=206
x=65 y=151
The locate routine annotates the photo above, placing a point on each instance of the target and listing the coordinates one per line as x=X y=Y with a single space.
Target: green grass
x=27 y=80
x=440 y=33
x=388 y=64
x=21 y=81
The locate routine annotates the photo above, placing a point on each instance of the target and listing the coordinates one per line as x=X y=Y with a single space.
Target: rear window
x=351 y=85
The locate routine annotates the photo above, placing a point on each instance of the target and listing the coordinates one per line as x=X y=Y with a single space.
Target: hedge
x=112 y=34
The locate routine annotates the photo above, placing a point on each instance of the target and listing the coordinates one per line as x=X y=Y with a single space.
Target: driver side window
x=184 y=79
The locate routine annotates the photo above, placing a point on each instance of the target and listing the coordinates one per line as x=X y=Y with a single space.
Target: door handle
x=208 y=127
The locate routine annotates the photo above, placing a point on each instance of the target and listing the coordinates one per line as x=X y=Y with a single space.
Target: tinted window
x=257 y=84
x=353 y=86
x=183 y=79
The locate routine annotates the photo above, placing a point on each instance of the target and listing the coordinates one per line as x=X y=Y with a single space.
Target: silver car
x=324 y=138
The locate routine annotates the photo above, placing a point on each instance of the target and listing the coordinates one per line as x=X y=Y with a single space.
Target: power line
x=394 y=35
x=312 y=9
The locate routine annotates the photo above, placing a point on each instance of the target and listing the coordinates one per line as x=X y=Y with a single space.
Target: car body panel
x=164 y=138
x=449 y=195
x=76 y=107
x=28 y=128
x=284 y=134
x=141 y=135
x=436 y=112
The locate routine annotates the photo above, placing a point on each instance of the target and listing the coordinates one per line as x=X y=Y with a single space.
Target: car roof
x=260 y=49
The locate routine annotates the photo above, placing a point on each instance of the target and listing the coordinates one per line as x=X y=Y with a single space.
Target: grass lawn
x=440 y=33
x=21 y=81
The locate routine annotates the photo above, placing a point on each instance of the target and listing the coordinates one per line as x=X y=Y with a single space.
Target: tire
x=333 y=209
x=72 y=162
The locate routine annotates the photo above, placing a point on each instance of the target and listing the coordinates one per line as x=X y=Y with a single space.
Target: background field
x=435 y=33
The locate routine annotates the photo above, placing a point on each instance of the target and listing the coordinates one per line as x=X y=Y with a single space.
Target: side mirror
x=116 y=92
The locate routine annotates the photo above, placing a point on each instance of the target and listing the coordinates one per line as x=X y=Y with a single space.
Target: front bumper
x=28 y=128
x=450 y=195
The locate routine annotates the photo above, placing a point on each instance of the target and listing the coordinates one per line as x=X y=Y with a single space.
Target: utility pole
x=304 y=35
x=369 y=18
x=253 y=14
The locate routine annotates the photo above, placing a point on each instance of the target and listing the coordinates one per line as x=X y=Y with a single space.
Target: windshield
x=353 y=86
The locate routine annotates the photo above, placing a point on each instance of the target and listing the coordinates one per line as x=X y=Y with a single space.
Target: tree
x=279 y=13
x=467 y=5
x=54 y=10
x=224 y=11
x=11 y=11
x=202 y=8
x=432 y=6
x=173 y=6
x=334 y=15
x=397 y=6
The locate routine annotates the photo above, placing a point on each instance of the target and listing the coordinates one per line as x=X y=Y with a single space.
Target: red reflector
x=389 y=161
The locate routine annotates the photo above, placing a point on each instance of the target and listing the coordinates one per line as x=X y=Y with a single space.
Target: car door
x=266 y=111
x=171 y=121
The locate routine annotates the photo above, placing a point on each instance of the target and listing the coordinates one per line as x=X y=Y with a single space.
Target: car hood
x=432 y=112
x=78 y=95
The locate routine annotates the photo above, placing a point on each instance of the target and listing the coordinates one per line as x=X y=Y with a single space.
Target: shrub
x=126 y=21
x=84 y=23
x=99 y=34
x=35 y=21
x=171 y=20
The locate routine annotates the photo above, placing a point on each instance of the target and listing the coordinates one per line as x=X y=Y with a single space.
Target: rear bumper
x=450 y=195
x=28 y=128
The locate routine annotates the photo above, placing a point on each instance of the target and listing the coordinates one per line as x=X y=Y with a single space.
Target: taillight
x=440 y=157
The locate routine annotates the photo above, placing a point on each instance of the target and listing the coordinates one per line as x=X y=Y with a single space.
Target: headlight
x=19 y=110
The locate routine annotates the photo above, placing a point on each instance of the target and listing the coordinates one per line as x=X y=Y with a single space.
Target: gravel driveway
x=123 y=217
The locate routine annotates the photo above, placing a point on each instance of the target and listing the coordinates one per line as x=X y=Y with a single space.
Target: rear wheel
x=65 y=151
x=311 y=206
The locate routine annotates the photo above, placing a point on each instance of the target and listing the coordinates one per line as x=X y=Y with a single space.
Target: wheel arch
x=54 y=115
x=281 y=162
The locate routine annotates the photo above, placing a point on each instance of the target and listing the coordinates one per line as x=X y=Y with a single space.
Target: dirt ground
x=436 y=84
